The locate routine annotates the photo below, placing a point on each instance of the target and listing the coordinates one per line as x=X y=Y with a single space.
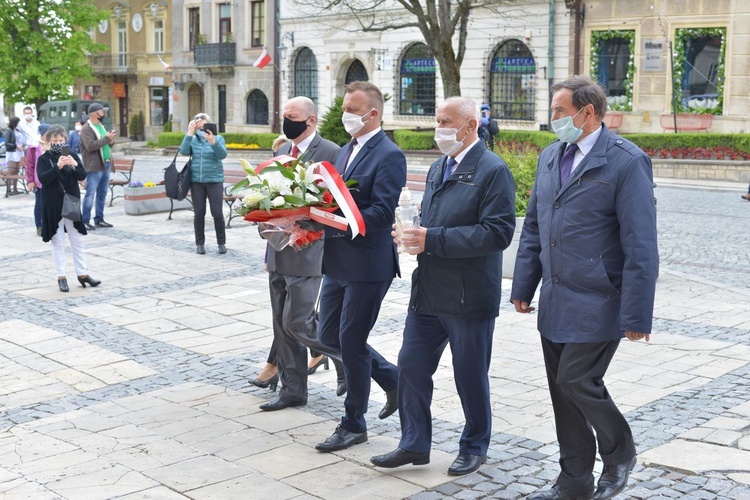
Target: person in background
x=14 y=149
x=747 y=196
x=206 y=179
x=277 y=143
x=74 y=139
x=30 y=127
x=96 y=144
x=32 y=180
x=488 y=128
x=590 y=237
x=456 y=288
x=60 y=175
x=294 y=276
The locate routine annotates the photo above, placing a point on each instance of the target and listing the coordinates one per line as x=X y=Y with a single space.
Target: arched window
x=257 y=108
x=356 y=73
x=512 y=71
x=306 y=75
x=417 y=82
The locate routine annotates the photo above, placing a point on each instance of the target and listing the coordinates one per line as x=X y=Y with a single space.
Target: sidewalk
x=140 y=388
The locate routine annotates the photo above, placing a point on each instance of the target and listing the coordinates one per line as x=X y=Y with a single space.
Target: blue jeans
x=97 y=184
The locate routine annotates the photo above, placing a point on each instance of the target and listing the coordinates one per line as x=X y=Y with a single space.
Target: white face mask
x=446 y=141
x=353 y=123
x=565 y=130
x=78 y=128
x=29 y=117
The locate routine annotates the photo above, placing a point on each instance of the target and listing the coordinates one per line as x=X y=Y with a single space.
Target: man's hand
x=414 y=240
x=635 y=336
x=523 y=307
x=111 y=136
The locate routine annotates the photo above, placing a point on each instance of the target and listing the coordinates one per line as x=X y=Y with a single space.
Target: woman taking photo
x=60 y=175
x=206 y=179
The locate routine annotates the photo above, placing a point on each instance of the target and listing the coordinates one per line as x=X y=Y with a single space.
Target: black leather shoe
x=63 y=284
x=466 y=463
x=89 y=226
x=280 y=404
x=222 y=249
x=391 y=404
x=200 y=249
x=613 y=480
x=88 y=280
x=399 y=457
x=103 y=223
x=340 y=387
x=341 y=440
x=557 y=493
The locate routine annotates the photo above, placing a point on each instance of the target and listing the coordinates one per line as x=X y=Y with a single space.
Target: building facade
x=133 y=74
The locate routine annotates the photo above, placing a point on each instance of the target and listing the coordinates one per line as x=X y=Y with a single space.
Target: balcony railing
x=215 y=54
x=113 y=64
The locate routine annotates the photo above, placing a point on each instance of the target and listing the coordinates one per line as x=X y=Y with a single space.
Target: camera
x=211 y=127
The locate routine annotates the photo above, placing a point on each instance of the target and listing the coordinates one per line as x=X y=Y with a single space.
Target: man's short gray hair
x=466 y=107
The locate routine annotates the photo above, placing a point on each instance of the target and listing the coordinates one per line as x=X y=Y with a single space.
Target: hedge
x=740 y=142
x=409 y=139
x=539 y=139
x=264 y=139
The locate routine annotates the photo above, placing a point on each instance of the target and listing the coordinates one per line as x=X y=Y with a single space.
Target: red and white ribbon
x=343 y=197
x=283 y=159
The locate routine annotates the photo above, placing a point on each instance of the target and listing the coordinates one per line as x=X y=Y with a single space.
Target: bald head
x=299 y=110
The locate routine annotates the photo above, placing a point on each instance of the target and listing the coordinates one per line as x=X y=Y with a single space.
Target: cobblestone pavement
x=140 y=388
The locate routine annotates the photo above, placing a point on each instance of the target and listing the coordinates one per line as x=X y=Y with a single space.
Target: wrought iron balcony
x=215 y=54
x=113 y=64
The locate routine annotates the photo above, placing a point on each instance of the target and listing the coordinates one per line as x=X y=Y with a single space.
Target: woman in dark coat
x=57 y=172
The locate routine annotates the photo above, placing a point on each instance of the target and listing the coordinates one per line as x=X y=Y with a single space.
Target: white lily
x=278 y=202
x=253 y=199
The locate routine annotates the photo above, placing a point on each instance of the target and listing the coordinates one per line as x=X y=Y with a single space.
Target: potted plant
x=133 y=127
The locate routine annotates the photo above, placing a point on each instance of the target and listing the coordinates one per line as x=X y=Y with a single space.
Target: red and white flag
x=263 y=59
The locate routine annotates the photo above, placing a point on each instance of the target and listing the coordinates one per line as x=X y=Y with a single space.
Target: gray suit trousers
x=294 y=325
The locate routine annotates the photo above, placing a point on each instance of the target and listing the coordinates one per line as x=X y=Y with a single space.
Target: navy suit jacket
x=306 y=262
x=380 y=170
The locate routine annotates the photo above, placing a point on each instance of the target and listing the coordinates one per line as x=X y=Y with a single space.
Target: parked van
x=67 y=113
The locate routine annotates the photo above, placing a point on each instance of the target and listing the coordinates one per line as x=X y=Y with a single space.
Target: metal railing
x=215 y=54
x=113 y=64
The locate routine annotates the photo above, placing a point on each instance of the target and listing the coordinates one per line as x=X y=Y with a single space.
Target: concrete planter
x=509 y=255
x=150 y=200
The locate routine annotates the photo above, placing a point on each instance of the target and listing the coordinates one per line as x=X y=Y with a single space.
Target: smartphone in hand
x=65 y=150
x=211 y=127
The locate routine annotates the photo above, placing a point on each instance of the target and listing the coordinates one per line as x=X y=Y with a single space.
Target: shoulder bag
x=176 y=182
x=71 y=207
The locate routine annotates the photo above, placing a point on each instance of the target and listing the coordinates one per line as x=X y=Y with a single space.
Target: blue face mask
x=565 y=130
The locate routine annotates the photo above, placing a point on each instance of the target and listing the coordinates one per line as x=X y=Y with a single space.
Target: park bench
x=613 y=121
x=231 y=177
x=415 y=180
x=21 y=177
x=123 y=167
x=686 y=122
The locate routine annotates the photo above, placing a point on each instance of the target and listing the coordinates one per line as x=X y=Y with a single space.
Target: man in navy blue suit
x=359 y=271
x=468 y=219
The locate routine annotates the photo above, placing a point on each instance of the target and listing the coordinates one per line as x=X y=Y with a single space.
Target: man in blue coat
x=590 y=237
x=468 y=219
x=359 y=271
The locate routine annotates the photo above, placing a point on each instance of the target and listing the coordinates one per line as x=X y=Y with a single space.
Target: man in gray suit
x=294 y=276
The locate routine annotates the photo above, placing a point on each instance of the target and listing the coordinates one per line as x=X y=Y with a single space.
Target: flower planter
x=150 y=200
x=509 y=255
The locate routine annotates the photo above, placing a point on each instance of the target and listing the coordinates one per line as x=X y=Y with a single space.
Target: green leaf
x=240 y=185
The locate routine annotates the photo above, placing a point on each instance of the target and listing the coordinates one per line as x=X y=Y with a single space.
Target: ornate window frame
x=681 y=37
x=597 y=37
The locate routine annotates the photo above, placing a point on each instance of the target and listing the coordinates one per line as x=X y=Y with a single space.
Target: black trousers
x=581 y=402
x=214 y=191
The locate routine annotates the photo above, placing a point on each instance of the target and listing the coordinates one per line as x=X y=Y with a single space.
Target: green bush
x=523 y=167
x=330 y=126
x=408 y=139
x=537 y=138
x=741 y=142
x=264 y=139
x=168 y=125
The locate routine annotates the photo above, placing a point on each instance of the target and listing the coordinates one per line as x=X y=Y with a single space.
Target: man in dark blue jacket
x=590 y=237
x=468 y=218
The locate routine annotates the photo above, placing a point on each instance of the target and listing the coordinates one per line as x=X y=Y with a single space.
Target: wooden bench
x=21 y=177
x=415 y=181
x=613 y=121
x=124 y=167
x=686 y=122
x=231 y=177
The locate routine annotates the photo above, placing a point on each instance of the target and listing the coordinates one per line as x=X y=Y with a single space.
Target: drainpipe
x=550 y=62
x=275 y=125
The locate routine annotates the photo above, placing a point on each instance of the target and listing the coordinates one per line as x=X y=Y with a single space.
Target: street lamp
x=289 y=36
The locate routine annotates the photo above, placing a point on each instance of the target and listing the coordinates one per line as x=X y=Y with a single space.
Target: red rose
x=327 y=197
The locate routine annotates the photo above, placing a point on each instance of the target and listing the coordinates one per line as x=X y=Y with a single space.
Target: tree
x=43 y=47
x=331 y=127
x=439 y=21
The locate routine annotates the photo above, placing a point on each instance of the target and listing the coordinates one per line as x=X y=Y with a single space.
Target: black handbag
x=177 y=182
x=71 y=207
